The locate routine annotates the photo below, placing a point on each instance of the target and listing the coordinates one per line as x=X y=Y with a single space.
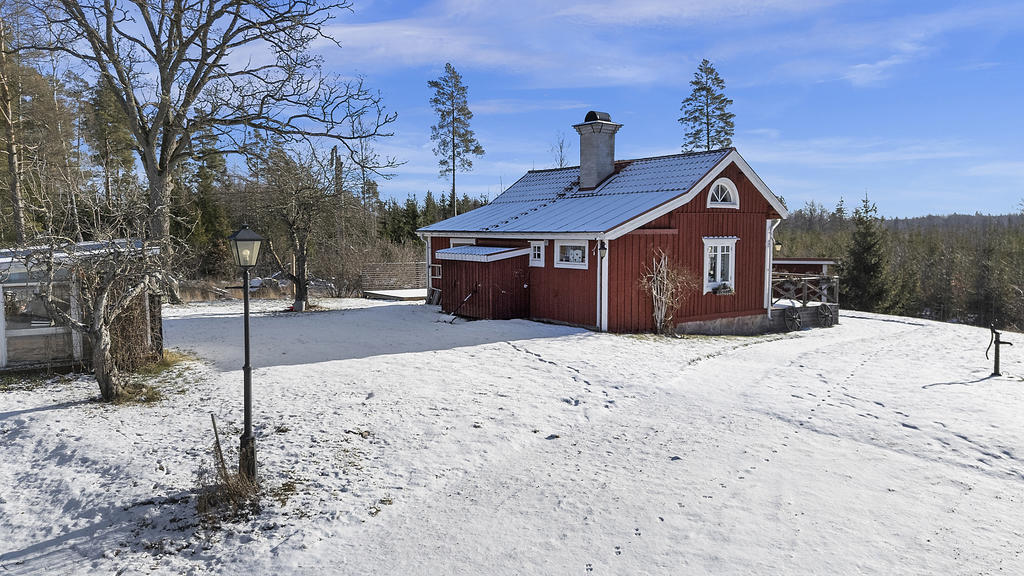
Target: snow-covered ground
x=879 y=446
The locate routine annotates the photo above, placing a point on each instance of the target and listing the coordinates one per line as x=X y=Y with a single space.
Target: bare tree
x=109 y=276
x=295 y=196
x=669 y=286
x=560 y=150
x=220 y=66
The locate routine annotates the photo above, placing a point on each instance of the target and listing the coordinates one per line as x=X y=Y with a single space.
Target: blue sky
x=916 y=104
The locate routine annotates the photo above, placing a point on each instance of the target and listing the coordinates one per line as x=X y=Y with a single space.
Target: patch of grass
x=285 y=491
x=153 y=381
x=170 y=359
x=24 y=381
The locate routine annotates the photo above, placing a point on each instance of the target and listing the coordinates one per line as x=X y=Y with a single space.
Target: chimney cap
x=595 y=116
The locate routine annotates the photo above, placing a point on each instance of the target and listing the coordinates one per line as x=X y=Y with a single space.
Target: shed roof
x=551 y=202
x=472 y=253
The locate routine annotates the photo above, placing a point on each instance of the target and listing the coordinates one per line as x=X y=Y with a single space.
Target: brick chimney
x=597 y=148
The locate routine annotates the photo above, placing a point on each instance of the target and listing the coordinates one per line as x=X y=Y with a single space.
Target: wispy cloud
x=1009 y=170
x=838 y=152
x=683 y=12
x=863 y=52
x=523 y=105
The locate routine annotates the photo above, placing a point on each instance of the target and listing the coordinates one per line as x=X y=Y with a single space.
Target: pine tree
x=705 y=111
x=455 y=139
x=431 y=211
x=864 y=286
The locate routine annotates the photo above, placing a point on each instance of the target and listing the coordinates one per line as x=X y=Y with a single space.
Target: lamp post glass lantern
x=245 y=247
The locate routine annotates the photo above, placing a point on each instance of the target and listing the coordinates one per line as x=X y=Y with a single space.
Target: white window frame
x=435 y=271
x=534 y=245
x=720 y=241
x=559 y=263
x=453 y=242
x=733 y=192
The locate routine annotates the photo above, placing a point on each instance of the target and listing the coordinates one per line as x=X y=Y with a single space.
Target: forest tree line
x=959 y=268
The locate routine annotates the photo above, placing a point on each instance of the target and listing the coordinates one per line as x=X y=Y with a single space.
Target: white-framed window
x=435 y=271
x=719 y=263
x=571 y=254
x=723 y=194
x=537 y=253
x=461 y=242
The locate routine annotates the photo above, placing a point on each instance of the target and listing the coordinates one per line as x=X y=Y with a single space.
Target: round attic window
x=723 y=194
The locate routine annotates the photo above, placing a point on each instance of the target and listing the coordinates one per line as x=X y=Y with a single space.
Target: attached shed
x=487 y=282
x=590 y=231
x=31 y=339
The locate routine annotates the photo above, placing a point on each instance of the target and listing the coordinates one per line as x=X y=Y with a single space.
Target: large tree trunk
x=11 y=144
x=301 y=281
x=107 y=375
x=160 y=187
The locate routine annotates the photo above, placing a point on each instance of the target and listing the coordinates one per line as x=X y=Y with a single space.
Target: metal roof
x=473 y=253
x=550 y=201
x=13 y=260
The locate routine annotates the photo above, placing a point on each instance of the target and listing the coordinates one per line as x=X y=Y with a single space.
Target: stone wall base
x=738 y=326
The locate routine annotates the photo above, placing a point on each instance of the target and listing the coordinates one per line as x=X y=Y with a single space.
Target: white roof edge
x=514 y=234
x=510 y=253
x=713 y=174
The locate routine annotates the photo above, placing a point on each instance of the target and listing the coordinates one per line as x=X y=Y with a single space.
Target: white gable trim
x=711 y=176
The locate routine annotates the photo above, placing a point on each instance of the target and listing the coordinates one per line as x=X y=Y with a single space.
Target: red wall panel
x=564 y=294
x=629 y=308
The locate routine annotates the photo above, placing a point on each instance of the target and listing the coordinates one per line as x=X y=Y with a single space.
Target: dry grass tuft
x=224 y=495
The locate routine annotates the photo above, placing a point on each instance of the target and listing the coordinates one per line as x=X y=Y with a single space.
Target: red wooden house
x=569 y=245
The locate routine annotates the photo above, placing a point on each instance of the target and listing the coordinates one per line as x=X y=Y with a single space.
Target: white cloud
x=683 y=12
x=837 y=152
x=1013 y=170
x=521 y=105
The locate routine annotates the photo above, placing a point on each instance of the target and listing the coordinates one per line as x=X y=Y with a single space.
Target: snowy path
x=418 y=447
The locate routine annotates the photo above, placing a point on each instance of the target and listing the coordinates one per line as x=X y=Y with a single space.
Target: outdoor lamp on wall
x=245 y=247
x=778 y=247
x=602 y=249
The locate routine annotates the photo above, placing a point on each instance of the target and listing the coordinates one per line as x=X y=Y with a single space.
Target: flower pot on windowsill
x=723 y=290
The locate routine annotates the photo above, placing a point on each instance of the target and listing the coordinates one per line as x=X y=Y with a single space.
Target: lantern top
x=244 y=234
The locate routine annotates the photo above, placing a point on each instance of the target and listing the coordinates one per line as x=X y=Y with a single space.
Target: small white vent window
x=537 y=253
x=723 y=194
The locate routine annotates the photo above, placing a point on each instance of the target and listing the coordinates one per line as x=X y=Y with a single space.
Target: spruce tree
x=455 y=140
x=863 y=275
x=706 y=111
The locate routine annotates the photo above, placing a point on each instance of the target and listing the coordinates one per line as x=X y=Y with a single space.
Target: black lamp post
x=245 y=247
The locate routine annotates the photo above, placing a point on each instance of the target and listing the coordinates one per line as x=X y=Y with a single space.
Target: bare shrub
x=669 y=287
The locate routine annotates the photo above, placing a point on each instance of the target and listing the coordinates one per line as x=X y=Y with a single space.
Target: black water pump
x=995 y=340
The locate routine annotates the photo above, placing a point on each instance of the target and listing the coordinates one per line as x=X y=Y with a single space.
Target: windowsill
x=716 y=291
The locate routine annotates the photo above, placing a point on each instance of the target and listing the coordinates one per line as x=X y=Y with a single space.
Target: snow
x=878 y=446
